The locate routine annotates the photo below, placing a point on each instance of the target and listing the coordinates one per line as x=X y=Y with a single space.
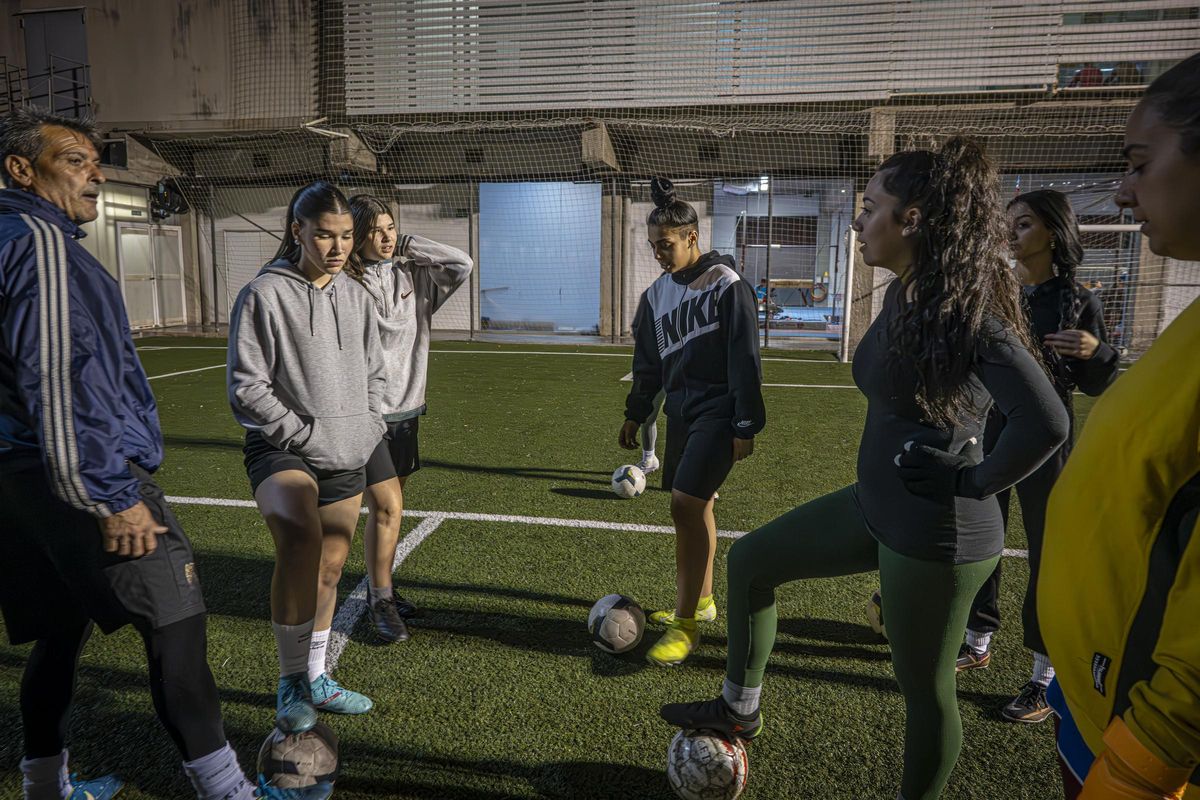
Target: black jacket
x=696 y=337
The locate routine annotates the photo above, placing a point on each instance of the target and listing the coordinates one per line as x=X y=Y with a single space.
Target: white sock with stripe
x=1043 y=672
x=292 y=642
x=316 y=654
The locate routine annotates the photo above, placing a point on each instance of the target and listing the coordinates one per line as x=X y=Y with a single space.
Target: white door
x=150 y=262
x=168 y=273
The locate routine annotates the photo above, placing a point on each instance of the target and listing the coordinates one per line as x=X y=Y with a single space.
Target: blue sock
x=218 y=776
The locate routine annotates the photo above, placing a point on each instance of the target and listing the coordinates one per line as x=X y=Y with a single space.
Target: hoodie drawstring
x=337 y=324
x=311 y=330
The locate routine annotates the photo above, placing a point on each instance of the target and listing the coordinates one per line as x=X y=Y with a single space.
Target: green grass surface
x=500 y=693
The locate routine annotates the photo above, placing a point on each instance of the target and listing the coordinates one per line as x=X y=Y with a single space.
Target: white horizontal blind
x=429 y=56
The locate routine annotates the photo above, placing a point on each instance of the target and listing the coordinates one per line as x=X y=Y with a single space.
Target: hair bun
x=662 y=192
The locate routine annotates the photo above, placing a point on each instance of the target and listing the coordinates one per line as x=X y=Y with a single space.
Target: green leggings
x=926 y=606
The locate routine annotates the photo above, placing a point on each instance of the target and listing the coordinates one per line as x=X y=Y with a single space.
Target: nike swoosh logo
x=405 y=296
x=746 y=423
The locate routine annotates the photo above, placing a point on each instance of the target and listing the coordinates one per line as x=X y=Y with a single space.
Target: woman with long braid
x=1069 y=322
x=951 y=340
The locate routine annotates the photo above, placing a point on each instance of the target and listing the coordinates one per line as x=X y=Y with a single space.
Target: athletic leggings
x=926 y=605
x=181 y=684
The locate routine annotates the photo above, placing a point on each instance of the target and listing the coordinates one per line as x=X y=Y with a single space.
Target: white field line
x=354 y=606
x=556 y=522
x=629 y=379
x=185 y=372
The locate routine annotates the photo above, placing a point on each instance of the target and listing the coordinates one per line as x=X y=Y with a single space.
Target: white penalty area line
x=185 y=372
x=357 y=604
x=554 y=522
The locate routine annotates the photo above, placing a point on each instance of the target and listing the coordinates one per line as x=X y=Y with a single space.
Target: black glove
x=929 y=472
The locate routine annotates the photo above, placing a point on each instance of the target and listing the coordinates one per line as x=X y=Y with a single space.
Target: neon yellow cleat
x=676 y=644
x=706 y=611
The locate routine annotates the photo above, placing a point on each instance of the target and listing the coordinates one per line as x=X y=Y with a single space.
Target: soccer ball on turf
x=702 y=765
x=628 y=481
x=301 y=759
x=616 y=623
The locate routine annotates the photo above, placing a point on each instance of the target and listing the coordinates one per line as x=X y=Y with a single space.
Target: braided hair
x=1054 y=211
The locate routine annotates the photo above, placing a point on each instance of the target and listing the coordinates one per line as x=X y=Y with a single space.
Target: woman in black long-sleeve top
x=1069 y=322
x=951 y=340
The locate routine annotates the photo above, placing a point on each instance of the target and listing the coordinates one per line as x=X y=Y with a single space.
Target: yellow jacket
x=1119 y=588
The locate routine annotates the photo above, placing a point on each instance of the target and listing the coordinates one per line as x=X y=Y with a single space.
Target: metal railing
x=64 y=88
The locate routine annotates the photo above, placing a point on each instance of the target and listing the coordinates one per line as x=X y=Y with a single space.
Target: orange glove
x=1126 y=770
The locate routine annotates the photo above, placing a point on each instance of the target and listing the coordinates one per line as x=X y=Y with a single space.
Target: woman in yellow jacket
x=1119 y=591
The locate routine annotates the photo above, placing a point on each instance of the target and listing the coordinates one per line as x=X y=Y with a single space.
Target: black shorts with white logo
x=263 y=459
x=54 y=571
x=397 y=453
x=698 y=457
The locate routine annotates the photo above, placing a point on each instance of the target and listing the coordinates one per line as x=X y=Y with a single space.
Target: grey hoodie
x=406 y=292
x=305 y=368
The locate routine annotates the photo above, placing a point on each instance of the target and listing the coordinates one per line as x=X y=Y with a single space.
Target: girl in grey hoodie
x=409 y=278
x=306 y=379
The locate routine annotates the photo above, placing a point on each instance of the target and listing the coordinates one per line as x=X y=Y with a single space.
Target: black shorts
x=698 y=456
x=397 y=454
x=55 y=570
x=264 y=459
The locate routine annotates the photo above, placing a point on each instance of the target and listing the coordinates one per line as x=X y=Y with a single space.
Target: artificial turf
x=500 y=693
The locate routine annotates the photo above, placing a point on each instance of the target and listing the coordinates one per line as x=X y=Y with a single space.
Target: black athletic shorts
x=264 y=459
x=397 y=453
x=53 y=568
x=698 y=456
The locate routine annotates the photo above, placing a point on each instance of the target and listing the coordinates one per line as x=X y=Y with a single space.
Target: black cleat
x=389 y=625
x=1029 y=706
x=968 y=659
x=713 y=715
x=403 y=607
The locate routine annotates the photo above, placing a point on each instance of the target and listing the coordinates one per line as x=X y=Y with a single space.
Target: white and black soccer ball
x=301 y=759
x=628 y=481
x=702 y=765
x=616 y=623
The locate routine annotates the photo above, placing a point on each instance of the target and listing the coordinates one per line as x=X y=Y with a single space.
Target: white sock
x=647 y=455
x=743 y=701
x=218 y=776
x=1043 y=672
x=979 y=642
x=46 y=778
x=316 y=654
x=292 y=642
x=380 y=593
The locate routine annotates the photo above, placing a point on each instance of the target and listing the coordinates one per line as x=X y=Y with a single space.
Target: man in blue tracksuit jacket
x=87 y=536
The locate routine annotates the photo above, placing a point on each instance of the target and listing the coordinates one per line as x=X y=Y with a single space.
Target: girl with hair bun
x=1119 y=590
x=950 y=341
x=1069 y=322
x=306 y=381
x=696 y=339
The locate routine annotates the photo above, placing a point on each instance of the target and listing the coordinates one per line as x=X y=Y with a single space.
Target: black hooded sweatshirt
x=696 y=337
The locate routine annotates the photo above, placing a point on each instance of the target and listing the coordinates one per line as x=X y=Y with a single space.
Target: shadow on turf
x=551 y=474
x=587 y=494
x=196 y=441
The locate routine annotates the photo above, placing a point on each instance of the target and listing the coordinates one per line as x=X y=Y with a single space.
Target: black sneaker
x=712 y=715
x=403 y=607
x=1029 y=706
x=968 y=659
x=389 y=625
